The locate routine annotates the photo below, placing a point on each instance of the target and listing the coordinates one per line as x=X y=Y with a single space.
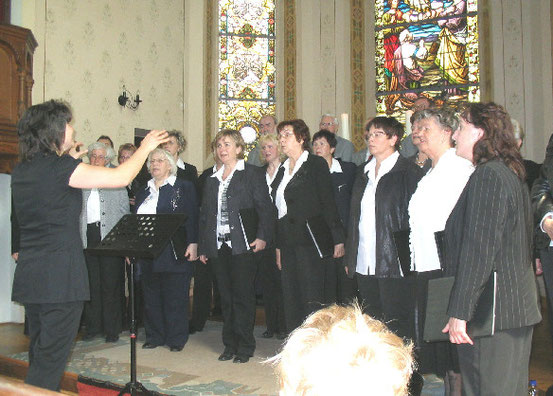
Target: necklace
x=420 y=162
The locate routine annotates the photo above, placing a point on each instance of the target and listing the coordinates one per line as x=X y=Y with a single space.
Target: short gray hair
x=445 y=116
x=334 y=119
x=110 y=152
x=269 y=116
x=167 y=155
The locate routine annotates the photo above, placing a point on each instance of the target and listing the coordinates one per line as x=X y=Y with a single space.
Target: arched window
x=425 y=48
x=246 y=62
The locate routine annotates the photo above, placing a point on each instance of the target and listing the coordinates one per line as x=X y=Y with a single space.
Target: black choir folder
x=248 y=221
x=320 y=234
x=483 y=320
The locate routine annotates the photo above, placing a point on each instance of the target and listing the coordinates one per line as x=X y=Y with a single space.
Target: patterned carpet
x=193 y=371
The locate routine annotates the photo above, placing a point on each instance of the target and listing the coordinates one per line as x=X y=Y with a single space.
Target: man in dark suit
x=490 y=229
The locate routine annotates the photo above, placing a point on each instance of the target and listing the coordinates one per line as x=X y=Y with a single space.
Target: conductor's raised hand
x=153 y=139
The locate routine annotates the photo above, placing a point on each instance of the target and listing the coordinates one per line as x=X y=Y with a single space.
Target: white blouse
x=431 y=204
x=223 y=229
x=366 y=252
x=280 y=202
x=149 y=206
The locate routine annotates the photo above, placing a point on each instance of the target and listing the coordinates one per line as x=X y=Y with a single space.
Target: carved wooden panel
x=16 y=81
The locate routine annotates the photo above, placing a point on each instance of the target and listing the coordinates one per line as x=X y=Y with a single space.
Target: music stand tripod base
x=138 y=236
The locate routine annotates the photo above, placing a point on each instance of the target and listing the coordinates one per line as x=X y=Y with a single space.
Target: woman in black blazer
x=338 y=286
x=490 y=229
x=166 y=279
x=271 y=156
x=302 y=190
x=234 y=187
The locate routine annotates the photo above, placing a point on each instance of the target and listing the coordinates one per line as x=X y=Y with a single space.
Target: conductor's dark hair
x=41 y=129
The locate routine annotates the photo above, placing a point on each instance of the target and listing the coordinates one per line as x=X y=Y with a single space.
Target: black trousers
x=235 y=277
x=338 y=287
x=103 y=313
x=546 y=256
x=303 y=275
x=272 y=290
x=166 y=307
x=497 y=365
x=52 y=331
x=389 y=300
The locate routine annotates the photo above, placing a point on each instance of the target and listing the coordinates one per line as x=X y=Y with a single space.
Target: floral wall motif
x=91 y=49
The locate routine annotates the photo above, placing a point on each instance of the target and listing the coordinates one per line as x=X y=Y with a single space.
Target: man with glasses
x=344 y=148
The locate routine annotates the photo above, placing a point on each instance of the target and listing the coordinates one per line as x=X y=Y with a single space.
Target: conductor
x=51 y=278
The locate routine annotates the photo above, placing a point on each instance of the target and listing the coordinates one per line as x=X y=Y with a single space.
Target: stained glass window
x=246 y=62
x=425 y=48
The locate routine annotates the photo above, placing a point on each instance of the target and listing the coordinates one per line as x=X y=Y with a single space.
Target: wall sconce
x=125 y=99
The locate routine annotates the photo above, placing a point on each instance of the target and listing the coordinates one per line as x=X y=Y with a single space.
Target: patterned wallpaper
x=93 y=48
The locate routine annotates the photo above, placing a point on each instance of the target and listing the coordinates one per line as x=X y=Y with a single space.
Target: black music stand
x=138 y=236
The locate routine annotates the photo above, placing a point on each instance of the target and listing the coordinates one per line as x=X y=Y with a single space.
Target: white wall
x=9 y=312
x=87 y=50
x=520 y=71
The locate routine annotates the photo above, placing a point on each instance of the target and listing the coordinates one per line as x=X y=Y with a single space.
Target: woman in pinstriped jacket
x=490 y=229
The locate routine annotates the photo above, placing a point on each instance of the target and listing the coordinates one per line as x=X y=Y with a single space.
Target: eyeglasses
x=157 y=160
x=326 y=124
x=285 y=133
x=99 y=157
x=375 y=134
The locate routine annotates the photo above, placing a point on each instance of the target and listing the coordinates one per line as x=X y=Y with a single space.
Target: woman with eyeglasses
x=102 y=209
x=339 y=288
x=302 y=190
x=379 y=208
x=166 y=279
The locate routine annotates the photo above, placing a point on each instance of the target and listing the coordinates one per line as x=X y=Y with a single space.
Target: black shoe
x=241 y=359
x=226 y=356
x=114 y=338
x=149 y=345
x=281 y=336
x=191 y=329
x=267 y=334
x=416 y=382
x=89 y=336
x=176 y=348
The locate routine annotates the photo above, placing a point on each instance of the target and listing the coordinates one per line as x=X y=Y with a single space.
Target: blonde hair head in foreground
x=341 y=351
